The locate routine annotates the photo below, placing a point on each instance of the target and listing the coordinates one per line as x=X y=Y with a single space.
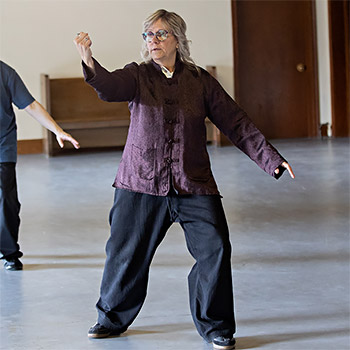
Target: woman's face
x=162 y=52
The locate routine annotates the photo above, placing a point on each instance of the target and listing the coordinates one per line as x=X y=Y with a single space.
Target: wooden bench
x=214 y=135
x=76 y=107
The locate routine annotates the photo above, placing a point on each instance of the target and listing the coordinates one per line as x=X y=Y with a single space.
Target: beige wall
x=37 y=37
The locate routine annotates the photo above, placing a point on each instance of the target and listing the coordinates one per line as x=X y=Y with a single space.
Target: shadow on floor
x=266 y=339
x=296 y=317
x=310 y=257
x=46 y=262
x=156 y=329
x=66 y=257
x=48 y=266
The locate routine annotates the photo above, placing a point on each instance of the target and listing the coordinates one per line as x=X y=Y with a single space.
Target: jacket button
x=168 y=160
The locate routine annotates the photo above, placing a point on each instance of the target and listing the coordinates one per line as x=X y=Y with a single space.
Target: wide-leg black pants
x=9 y=212
x=139 y=223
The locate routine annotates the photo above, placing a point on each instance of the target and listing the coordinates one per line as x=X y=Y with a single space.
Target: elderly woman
x=165 y=176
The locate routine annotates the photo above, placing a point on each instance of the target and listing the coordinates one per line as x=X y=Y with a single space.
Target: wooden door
x=275 y=66
x=339 y=36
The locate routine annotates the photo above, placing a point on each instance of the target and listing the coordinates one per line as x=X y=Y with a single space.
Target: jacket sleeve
x=117 y=86
x=233 y=121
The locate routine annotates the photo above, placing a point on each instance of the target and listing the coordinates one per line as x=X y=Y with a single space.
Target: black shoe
x=224 y=343
x=99 y=331
x=13 y=264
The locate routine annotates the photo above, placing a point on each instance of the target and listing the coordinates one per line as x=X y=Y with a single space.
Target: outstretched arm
x=38 y=112
x=233 y=121
x=116 y=86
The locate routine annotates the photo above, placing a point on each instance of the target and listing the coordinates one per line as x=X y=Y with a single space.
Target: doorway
x=339 y=32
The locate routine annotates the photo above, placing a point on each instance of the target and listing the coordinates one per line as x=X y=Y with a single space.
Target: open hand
x=63 y=136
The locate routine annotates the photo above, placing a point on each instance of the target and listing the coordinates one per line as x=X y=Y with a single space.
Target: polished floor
x=290 y=260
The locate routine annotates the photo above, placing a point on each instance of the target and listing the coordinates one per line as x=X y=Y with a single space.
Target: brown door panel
x=275 y=66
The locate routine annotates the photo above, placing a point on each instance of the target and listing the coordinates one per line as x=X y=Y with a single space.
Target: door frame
x=338 y=18
x=313 y=123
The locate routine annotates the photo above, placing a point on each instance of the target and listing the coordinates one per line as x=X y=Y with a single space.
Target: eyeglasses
x=161 y=35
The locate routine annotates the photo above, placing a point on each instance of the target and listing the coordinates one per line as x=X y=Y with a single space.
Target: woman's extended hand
x=83 y=43
x=288 y=167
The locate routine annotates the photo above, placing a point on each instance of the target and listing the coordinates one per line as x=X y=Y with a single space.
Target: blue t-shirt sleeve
x=20 y=95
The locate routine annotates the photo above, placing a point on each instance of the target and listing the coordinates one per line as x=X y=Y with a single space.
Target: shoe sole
x=99 y=335
x=224 y=347
x=13 y=268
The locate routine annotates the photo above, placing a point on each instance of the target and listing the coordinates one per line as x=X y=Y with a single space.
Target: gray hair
x=177 y=26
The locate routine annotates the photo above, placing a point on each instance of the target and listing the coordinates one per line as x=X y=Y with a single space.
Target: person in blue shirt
x=14 y=91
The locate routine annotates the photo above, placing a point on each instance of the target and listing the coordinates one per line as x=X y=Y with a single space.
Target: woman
x=165 y=177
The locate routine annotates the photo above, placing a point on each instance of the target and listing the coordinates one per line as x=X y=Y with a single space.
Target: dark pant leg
x=210 y=280
x=9 y=212
x=138 y=225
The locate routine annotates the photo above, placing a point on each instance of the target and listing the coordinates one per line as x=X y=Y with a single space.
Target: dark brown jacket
x=167 y=135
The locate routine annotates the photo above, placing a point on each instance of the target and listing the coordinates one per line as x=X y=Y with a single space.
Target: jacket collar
x=178 y=66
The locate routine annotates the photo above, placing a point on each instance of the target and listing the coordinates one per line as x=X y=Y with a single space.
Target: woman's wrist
x=90 y=63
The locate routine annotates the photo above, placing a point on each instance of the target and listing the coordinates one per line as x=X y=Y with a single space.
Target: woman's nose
x=153 y=39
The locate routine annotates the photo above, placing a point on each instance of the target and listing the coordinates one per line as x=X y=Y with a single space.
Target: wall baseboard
x=30 y=146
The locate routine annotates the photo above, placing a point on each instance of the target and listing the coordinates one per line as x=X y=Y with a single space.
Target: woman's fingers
x=83 y=44
x=289 y=168
x=83 y=39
